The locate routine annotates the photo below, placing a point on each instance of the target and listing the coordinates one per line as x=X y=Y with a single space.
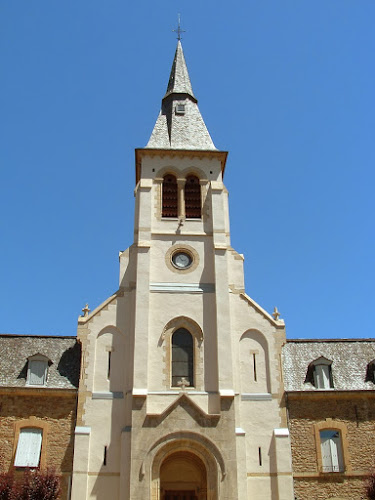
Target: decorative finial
x=183 y=383
x=86 y=310
x=179 y=30
x=275 y=314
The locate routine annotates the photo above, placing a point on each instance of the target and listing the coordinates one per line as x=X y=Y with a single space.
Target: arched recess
x=254 y=363
x=185 y=323
x=188 y=447
x=110 y=360
x=183 y=474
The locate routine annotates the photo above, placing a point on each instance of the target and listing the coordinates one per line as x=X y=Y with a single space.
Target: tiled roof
x=64 y=354
x=174 y=130
x=350 y=360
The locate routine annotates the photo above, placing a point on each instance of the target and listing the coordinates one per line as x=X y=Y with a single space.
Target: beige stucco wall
x=228 y=415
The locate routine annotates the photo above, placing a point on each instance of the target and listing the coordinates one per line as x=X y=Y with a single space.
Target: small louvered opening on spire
x=192 y=197
x=170 y=208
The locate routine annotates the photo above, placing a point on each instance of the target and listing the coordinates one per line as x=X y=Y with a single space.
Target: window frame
x=191 y=364
x=24 y=456
x=332 y=425
x=335 y=455
x=320 y=374
x=31 y=423
x=37 y=358
x=178 y=199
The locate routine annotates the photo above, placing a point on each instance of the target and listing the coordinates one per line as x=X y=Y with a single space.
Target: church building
x=181 y=389
x=180 y=386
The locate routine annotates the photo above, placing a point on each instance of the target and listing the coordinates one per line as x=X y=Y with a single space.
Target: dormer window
x=37 y=370
x=370 y=373
x=180 y=109
x=322 y=373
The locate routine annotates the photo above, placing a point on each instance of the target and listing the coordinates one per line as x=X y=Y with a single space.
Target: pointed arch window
x=182 y=357
x=169 y=196
x=192 y=197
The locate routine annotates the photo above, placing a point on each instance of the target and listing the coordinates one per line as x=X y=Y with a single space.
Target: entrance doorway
x=183 y=476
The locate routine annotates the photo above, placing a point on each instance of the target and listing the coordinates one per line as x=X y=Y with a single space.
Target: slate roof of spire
x=176 y=129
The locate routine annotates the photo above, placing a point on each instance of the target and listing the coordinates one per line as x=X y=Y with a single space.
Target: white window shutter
x=37 y=372
x=325 y=376
x=28 y=448
x=332 y=457
x=337 y=458
x=326 y=454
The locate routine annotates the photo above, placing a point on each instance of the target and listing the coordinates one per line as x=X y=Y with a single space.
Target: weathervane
x=179 y=30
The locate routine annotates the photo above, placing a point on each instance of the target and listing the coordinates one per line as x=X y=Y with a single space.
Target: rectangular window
x=37 y=373
x=180 y=109
x=332 y=458
x=28 y=448
x=322 y=377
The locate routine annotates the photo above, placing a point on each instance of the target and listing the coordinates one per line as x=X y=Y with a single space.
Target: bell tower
x=181 y=391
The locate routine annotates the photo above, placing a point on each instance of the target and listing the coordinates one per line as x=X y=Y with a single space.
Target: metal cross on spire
x=179 y=30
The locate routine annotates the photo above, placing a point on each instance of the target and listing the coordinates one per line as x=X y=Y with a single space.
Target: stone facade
x=49 y=407
x=348 y=407
x=55 y=414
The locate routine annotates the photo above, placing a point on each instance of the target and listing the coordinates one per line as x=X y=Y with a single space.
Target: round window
x=182 y=260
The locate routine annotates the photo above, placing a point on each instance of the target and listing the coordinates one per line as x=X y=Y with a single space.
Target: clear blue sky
x=286 y=86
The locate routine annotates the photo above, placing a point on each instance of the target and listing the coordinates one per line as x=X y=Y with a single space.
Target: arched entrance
x=198 y=463
x=183 y=476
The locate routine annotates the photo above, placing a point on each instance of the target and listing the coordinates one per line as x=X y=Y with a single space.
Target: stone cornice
x=40 y=391
x=179 y=153
x=332 y=393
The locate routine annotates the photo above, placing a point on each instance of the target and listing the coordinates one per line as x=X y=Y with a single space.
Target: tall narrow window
x=29 y=447
x=255 y=366
x=192 y=197
x=170 y=205
x=182 y=358
x=332 y=458
x=109 y=365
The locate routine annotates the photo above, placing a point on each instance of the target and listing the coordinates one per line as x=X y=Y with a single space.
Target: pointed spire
x=179 y=80
x=180 y=124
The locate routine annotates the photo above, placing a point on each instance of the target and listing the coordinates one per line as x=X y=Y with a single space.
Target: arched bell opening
x=183 y=476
